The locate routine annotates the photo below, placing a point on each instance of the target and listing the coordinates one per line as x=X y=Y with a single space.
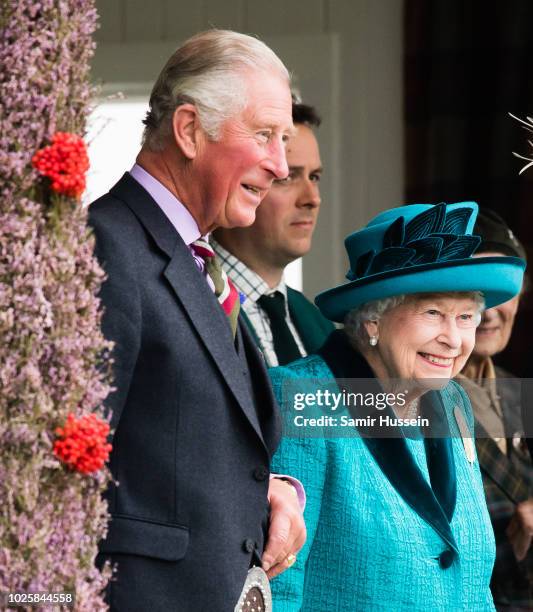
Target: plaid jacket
x=508 y=480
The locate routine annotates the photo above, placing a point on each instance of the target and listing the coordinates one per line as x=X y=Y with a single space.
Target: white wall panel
x=227 y=15
x=112 y=15
x=182 y=19
x=284 y=17
x=144 y=20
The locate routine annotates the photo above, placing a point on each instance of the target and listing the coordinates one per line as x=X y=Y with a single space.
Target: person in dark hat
x=502 y=451
x=396 y=514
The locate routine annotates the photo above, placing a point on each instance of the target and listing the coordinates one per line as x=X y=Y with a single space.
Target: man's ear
x=186 y=129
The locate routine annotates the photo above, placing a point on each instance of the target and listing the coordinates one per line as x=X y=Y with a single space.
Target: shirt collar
x=480 y=370
x=174 y=210
x=246 y=280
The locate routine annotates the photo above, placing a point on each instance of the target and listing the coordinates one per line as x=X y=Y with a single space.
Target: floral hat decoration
x=420 y=248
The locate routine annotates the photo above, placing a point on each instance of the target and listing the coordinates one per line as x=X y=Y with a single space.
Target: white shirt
x=252 y=286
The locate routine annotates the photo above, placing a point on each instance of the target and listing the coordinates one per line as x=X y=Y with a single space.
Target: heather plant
x=53 y=357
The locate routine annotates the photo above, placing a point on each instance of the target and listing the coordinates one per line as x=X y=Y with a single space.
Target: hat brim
x=498 y=278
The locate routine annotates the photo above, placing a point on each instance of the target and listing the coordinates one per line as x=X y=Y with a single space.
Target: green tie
x=227 y=295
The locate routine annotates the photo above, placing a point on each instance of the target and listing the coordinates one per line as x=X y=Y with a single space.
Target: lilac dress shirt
x=175 y=211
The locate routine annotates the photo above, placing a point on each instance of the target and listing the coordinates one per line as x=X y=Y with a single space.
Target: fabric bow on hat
x=432 y=236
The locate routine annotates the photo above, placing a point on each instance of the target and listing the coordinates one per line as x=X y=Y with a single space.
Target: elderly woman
x=397 y=522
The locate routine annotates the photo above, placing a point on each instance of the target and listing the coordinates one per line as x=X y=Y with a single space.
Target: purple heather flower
x=52 y=345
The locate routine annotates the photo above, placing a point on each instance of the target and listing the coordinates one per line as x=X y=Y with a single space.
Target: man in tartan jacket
x=502 y=451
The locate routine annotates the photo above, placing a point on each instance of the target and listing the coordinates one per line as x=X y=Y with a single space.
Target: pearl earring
x=373 y=340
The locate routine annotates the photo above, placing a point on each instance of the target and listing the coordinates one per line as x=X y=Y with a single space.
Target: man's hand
x=286 y=534
x=520 y=529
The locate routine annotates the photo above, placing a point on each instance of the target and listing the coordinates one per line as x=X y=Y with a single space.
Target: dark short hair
x=304 y=114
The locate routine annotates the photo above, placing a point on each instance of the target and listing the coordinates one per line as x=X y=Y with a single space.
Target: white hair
x=354 y=322
x=209 y=71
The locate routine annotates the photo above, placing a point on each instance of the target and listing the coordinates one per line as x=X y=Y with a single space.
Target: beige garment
x=479 y=381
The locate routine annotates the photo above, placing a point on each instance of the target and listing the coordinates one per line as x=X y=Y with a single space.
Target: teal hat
x=420 y=248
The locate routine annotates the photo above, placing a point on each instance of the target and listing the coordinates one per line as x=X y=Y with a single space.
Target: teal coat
x=393 y=524
x=313 y=328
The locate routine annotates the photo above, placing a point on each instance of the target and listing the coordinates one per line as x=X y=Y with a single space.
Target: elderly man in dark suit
x=194 y=420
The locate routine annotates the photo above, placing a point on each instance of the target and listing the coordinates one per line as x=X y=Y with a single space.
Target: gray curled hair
x=373 y=311
x=207 y=71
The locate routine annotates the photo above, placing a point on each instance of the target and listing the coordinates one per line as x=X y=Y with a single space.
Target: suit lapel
x=263 y=392
x=434 y=503
x=498 y=467
x=439 y=454
x=211 y=324
x=144 y=207
x=308 y=321
x=250 y=328
x=299 y=320
x=193 y=292
x=398 y=465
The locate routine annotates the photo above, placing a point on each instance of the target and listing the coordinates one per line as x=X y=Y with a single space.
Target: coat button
x=248 y=545
x=261 y=473
x=446 y=558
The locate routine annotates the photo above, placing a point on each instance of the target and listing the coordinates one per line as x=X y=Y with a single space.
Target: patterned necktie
x=227 y=295
x=284 y=343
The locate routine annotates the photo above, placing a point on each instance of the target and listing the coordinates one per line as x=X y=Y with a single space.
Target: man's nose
x=276 y=162
x=489 y=315
x=309 y=195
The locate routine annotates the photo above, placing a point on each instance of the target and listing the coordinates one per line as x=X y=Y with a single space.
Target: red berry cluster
x=82 y=443
x=65 y=162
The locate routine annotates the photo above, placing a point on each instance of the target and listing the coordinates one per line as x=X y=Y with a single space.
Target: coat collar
x=499 y=467
x=312 y=327
x=193 y=292
x=435 y=503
